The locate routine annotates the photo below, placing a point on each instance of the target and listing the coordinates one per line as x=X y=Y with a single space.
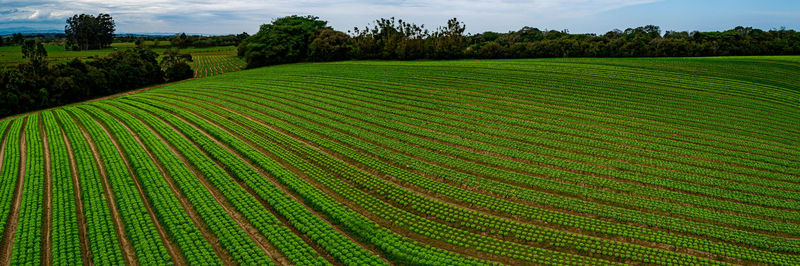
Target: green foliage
x=176 y=65
x=35 y=86
x=34 y=51
x=285 y=40
x=330 y=45
x=87 y=32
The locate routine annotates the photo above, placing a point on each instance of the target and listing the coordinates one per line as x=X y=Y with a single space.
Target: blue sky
x=578 y=16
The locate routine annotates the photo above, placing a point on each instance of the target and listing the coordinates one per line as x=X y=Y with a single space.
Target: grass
x=533 y=161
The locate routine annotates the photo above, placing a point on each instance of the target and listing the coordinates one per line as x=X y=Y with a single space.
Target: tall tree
x=285 y=40
x=85 y=32
x=34 y=51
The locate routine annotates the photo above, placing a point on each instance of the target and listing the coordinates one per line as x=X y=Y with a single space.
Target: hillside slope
x=553 y=161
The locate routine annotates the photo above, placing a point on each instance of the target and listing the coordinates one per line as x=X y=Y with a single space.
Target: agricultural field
x=206 y=64
x=674 y=161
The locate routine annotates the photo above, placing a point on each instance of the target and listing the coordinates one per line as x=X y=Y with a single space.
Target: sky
x=577 y=16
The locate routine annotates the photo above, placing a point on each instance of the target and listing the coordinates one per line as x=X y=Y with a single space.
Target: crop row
x=457 y=216
x=232 y=237
x=548 y=98
x=302 y=219
x=211 y=65
x=407 y=133
x=164 y=203
x=268 y=225
x=9 y=173
x=397 y=247
x=598 y=209
x=140 y=228
x=522 y=116
x=104 y=242
x=66 y=248
x=28 y=238
x=581 y=204
x=530 y=108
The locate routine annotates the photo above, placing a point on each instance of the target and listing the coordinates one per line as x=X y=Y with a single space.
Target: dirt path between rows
x=262 y=242
x=13 y=215
x=86 y=252
x=172 y=248
x=127 y=249
x=212 y=239
x=47 y=216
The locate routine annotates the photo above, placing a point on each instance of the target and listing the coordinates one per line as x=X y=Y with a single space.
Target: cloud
x=220 y=16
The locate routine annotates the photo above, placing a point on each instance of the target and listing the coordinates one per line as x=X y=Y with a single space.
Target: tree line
x=307 y=38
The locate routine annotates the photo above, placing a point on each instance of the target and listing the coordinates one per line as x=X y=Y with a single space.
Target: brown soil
x=48 y=201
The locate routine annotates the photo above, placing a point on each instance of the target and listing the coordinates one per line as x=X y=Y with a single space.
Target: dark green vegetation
x=295 y=39
x=87 y=32
x=37 y=85
x=547 y=161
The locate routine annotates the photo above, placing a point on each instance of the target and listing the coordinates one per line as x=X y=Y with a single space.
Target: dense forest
x=307 y=38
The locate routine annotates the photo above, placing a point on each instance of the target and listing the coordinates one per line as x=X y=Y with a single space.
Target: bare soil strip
x=237 y=216
x=86 y=252
x=47 y=198
x=127 y=249
x=187 y=206
x=13 y=215
x=172 y=247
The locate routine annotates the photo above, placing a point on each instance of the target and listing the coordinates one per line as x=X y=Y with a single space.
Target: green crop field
x=206 y=64
x=674 y=161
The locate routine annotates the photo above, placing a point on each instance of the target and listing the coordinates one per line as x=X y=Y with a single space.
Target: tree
x=449 y=42
x=330 y=45
x=85 y=32
x=17 y=38
x=285 y=40
x=34 y=51
x=2 y=40
x=180 y=40
x=175 y=65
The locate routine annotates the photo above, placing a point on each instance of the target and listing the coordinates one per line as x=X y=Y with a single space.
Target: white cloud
x=238 y=15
